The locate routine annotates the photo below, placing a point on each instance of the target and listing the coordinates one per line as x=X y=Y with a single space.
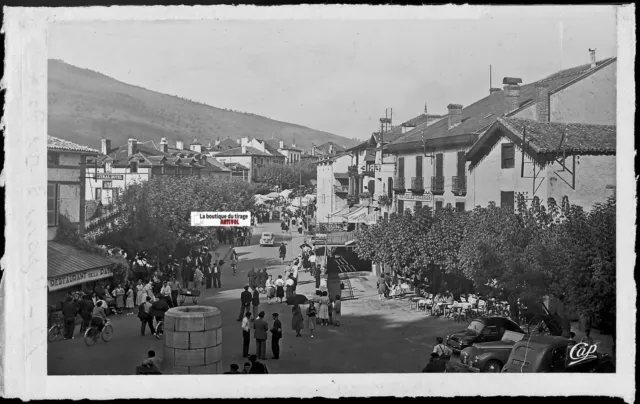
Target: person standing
x=441 y=349
x=255 y=300
x=149 y=291
x=295 y=276
x=279 y=288
x=217 y=268
x=69 y=313
x=261 y=278
x=337 y=310
x=289 y=287
x=283 y=252
x=166 y=293
x=246 y=334
x=197 y=279
x=144 y=314
x=86 y=308
x=260 y=328
x=129 y=304
x=252 y=278
x=270 y=287
x=119 y=296
x=297 y=322
x=323 y=311
x=245 y=302
x=186 y=272
x=276 y=334
x=175 y=290
x=316 y=275
x=312 y=261
x=208 y=273
x=140 y=293
x=311 y=318
x=381 y=287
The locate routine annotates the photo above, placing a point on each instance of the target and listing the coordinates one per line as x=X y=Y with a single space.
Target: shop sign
x=370 y=167
x=408 y=196
x=117 y=177
x=580 y=353
x=62 y=282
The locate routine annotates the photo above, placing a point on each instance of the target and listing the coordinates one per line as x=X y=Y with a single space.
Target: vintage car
x=481 y=329
x=545 y=353
x=490 y=356
x=267 y=239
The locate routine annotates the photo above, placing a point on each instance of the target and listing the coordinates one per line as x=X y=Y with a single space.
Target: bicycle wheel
x=90 y=336
x=107 y=333
x=53 y=333
x=160 y=330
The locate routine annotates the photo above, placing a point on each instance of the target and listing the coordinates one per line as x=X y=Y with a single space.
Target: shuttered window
x=52 y=204
x=461 y=164
x=439 y=164
x=508 y=155
x=460 y=206
x=401 y=167
x=400 y=207
x=419 y=166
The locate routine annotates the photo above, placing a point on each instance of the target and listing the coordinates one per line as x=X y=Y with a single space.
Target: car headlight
x=448 y=336
x=475 y=358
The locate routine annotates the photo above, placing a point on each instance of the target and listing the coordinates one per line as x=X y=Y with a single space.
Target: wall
x=595 y=180
x=324 y=191
x=591 y=100
x=488 y=179
x=69 y=188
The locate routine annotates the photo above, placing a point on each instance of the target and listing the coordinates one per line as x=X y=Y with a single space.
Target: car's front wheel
x=493 y=366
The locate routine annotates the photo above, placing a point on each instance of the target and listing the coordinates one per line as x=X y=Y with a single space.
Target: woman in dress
x=297 y=322
x=289 y=287
x=271 y=289
x=119 y=295
x=323 y=311
x=311 y=318
x=279 y=288
x=316 y=302
x=149 y=290
x=129 y=303
x=140 y=293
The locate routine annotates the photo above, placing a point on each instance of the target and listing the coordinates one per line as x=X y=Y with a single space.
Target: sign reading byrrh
x=65 y=281
x=408 y=196
x=117 y=177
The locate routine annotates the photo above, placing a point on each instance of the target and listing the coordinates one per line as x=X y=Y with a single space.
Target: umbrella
x=303 y=245
x=297 y=299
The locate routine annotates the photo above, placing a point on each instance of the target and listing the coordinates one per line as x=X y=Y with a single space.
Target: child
x=337 y=307
x=311 y=318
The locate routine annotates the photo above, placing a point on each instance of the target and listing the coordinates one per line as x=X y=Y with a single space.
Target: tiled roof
x=236 y=166
x=480 y=115
x=250 y=151
x=63 y=259
x=325 y=147
x=273 y=150
x=544 y=138
x=212 y=165
x=55 y=143
x=275 y=143
x=370 y=156
x=341 y=175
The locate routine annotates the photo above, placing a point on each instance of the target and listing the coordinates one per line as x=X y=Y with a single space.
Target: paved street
x=373 y=337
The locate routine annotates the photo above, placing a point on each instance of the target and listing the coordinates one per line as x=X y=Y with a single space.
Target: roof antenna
x=490 y=82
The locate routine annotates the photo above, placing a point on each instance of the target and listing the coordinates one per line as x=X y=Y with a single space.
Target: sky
x=339 y=76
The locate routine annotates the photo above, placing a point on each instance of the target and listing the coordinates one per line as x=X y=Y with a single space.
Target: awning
x=68 y=266
x=340 y=214
x=359 y=215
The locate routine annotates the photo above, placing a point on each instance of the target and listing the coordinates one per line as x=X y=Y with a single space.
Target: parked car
x=267 y=239
x=481 y=329
x=490 y=357
x=544 y=353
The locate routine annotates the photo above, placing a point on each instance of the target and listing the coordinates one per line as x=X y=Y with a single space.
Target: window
x=261 y=161
x=52 y=204
x=53 y=159
x=461 y=164
x=508 y=155
x=419 y=166
x=438 y=205
x=401 y=167
x=400 y=207
x=418 y=205
x=133 y=167
x=323 y=198
x=106 y=184
x=386 y=216
x=98 y=194
x=506 y=199
x=390 y=187
x=439 y=164
x=460 y=206
x=371 y=187
x=107 y=167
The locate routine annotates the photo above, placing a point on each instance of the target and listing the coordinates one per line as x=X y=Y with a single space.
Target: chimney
x=592 y=53
x=455 y=114
x=106 y=146
x=330 y=148
x=542 y=102
x=164 y=146
x=282 y=144
x=511 y=93
x=244 y=149
x=132 y=147
x=239 y=141
x=494 y=90
x=218 y=142
x=179 y=145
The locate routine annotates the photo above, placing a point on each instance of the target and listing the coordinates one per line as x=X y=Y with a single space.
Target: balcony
x=352 y=199
x=417 y=185
x=437 y=185
x=398 y=185
x=459 y=186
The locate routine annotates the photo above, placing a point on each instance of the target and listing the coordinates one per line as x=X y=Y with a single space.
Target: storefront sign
x=580 y=353
x=119 y=177
x=408 y=196
x=370 y=167
x=62 y=282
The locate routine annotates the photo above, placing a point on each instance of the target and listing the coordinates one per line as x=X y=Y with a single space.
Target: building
x=291 y=153
x=116 y=168
x=431 y=160
x=561 y=142
x=328 y=149
x=247 y=156
x=332 y=188
x=69 y=268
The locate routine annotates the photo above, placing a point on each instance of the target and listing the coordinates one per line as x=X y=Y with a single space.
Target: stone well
x=192 y=340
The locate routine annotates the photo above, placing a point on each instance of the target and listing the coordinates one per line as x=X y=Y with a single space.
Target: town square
x=462 y=222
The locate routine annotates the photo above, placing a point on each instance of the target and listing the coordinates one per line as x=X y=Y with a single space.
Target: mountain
x=85 y=106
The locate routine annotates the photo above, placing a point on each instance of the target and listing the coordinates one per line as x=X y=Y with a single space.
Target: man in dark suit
x=245 y=301
x=260 y=328
x=276 y=334
x=69 y=312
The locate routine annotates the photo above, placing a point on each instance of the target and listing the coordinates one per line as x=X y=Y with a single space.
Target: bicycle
x=92 y=334
x=55 y=332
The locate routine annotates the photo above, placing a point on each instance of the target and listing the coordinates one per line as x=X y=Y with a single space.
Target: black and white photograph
x=334 y=199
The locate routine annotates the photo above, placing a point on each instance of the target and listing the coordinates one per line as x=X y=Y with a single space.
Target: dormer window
x=133 y=167
x=107 y=167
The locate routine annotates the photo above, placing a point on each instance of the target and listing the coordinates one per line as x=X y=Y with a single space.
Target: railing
x=437 y=185
x=353 y=199
x=398 y=184
x=459 y=185
x=417 y=185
